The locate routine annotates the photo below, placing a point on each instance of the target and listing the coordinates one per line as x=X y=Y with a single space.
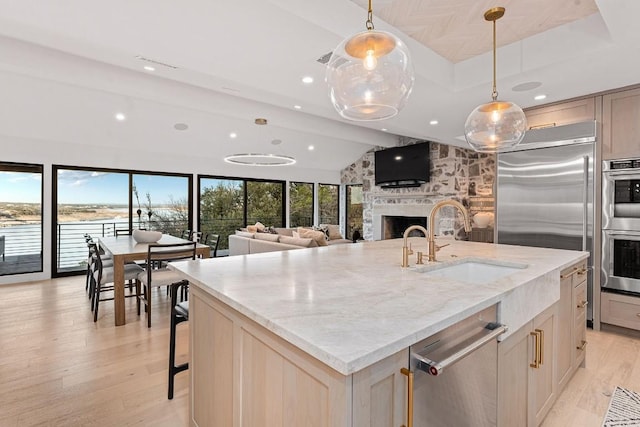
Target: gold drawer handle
x=409 y=374
x=536 y=360
x=541 y=346
x=582 y=346
x=583 y=304
x=582 y=271
x=574 y=270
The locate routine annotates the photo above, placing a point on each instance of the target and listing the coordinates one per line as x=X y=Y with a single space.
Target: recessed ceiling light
x=540 y=97
x=233 y=135
x=433 y=122
x=307 y=80
x=276 y=141
x=120 y=117
x=181 y=126
x=298 y=107
x=523 y=87
x=311 y=148
x=383 y=129
x=149 y=68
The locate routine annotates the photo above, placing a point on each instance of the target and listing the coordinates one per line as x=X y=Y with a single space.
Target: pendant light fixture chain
x=369 y=22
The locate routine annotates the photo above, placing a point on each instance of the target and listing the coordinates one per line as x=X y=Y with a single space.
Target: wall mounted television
x=406 y=166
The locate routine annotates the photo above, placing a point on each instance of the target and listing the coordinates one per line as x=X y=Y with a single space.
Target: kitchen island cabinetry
x=537 y=362
x=564 y=113
x=279 y=339
x=621 y=124
x=526 y=386
x=243 y=375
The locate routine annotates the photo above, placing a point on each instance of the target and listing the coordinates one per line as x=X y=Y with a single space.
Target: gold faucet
x=432 y=220
x=406 y=251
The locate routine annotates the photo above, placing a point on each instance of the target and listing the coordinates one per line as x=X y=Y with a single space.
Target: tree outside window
x=300 y=204
x=329 y=203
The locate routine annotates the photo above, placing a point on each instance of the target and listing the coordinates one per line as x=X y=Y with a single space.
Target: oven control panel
x=624 y=164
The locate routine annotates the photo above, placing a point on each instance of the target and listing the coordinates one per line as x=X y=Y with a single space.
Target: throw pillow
x=266 y=236
x=252 y=228
x=285 y=232
x=305 y=243
x=322 y=228
x=260 y=226
x=295 y=234
x=334 y=231
x=318 y=236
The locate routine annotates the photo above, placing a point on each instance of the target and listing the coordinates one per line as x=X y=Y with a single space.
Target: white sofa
x=244 y=243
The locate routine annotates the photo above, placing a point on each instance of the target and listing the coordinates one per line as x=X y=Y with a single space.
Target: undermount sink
x=473 y=270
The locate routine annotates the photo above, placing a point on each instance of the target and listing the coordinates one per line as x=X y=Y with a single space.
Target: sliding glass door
x=20 y=218
x=96 y=202
x=300 y=204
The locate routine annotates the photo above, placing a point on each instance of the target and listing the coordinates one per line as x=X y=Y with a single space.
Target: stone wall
x=456 y=173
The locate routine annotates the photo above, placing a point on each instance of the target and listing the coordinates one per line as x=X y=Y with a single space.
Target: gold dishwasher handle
x=409 y=374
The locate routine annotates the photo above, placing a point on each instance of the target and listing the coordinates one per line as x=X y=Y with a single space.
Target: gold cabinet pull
x=582 y=346
x=583 y=304
x=541 y=346
x=582 y=271
x=409 y=374
x=536 y=358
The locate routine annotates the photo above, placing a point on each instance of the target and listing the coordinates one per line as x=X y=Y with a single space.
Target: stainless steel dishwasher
x=455 y=374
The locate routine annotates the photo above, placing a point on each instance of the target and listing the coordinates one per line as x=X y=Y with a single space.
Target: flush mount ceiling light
x=370 y=75
x=497 y=125
x=256 y=159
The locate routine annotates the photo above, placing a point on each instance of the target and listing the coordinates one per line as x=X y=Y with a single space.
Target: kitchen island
x=292 y=337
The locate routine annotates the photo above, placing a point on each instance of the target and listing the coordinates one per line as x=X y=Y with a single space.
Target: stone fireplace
x=400 y=215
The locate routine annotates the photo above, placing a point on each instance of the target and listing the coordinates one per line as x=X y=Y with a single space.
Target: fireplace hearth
x=393 y=226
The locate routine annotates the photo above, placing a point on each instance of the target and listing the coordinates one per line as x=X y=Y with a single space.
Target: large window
x=329 y=203
x=354 y=210
x=300 y=204
x=227 y=204
x=20 y=218
x=221 y=207
x=99 y=201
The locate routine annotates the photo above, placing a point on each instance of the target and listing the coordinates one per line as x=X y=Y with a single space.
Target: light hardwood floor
x=58 y=368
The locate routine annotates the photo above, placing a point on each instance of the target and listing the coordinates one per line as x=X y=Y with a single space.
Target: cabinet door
x=565 y=340
x=514 y=357
x=211 y=347
x=621 y=124
x=543 y=384
x=380 y=393
x=563 y=113
x=580 y=323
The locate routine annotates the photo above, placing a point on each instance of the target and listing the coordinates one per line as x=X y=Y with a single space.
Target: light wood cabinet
x=621 y=124
x=563 y=113
x=526 y=382
x=620 y=310
x=529 y=382
x=247 y=376
x=380 y=393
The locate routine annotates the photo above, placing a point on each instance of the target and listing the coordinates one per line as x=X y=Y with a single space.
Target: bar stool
x=179 y=314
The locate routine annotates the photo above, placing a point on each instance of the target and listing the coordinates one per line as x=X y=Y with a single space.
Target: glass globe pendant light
x=497 y=125
x=370 y=75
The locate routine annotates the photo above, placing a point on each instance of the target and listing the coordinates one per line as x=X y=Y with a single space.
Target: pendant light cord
x=494 y=93
x=369 y=22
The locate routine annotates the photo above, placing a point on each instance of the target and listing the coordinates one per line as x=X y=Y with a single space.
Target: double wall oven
x=621 y=226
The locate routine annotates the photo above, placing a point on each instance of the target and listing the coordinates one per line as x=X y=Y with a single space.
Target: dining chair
x=212 y=241
x=152 y=278
x=186 y=235
x=103 y=275
x=196 y=236
x=179 y=314
x=122 y=232
x=106 y=262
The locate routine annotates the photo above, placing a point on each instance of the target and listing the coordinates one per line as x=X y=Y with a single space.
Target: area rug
x=624 y=409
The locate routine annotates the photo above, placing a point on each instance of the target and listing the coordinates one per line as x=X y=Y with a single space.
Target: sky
x=90 y=187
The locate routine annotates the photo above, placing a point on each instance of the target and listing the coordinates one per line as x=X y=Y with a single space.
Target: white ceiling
x=66 y=67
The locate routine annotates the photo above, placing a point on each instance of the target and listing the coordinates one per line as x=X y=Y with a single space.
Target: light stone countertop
x=352 y=305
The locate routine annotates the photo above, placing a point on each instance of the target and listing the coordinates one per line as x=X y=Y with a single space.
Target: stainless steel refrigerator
x=545 y=192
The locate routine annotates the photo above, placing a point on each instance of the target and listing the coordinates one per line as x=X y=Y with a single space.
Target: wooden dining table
x=124 y=249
